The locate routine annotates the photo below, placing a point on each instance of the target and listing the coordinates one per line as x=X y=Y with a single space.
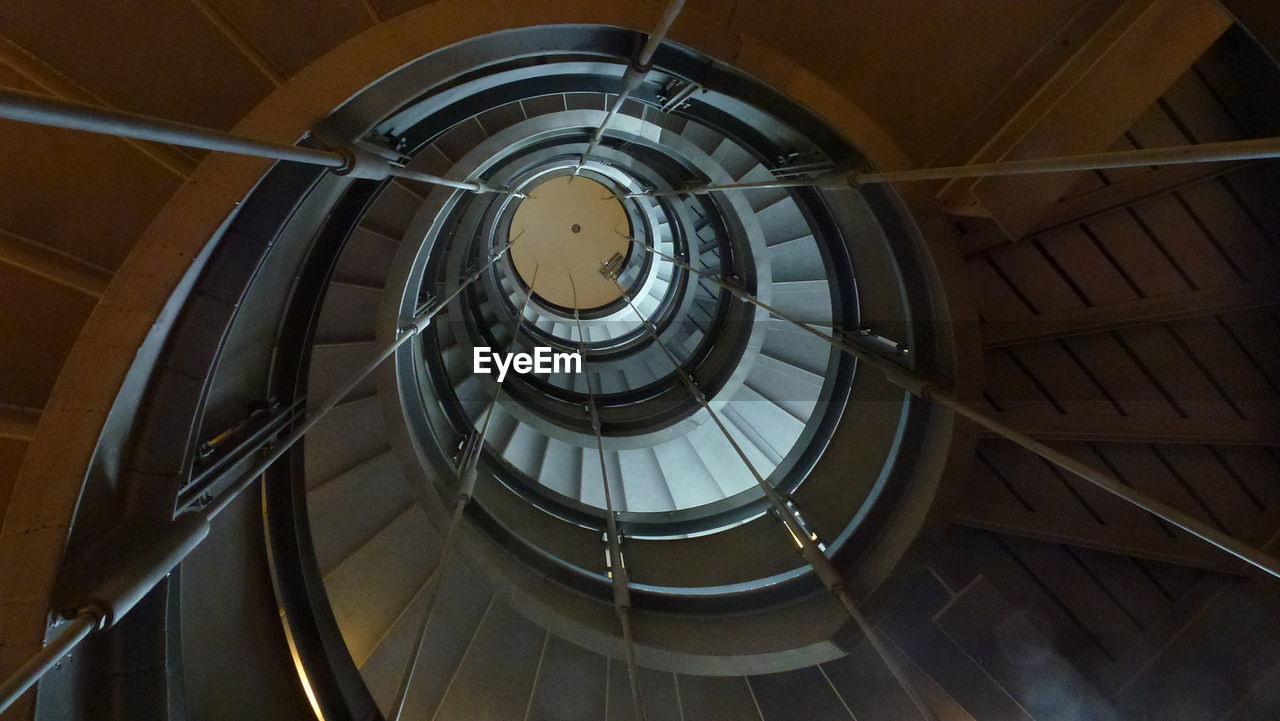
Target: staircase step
x=526 y=449
x=1009 y=648
x=571 y=684
x=703 y=137
x=804 y=693
x=797 y=347
x=495 y=678
x=716 y=698
x=393 y=210
x=348 y=314
x=593 y=487
x=644 y=482
x=722 y=461
x=807 y=301
x=782 y=221
x=734 y=159
x=460 y=608
x=334 y=365
x=502 y=117
x=371 y=587
x=384 y=666
x=348 y=510
x=941 y=671
x=366 y=258
x=762 y=197
x=561 y=469
x=348 y=435
x=794 y=389
x=689 y=481
x=657 y=690
x=771 y=428
x=797 y=259
x=461 y=139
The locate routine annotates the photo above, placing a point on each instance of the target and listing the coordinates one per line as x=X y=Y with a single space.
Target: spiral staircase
x=678 y=486
x=171 y=331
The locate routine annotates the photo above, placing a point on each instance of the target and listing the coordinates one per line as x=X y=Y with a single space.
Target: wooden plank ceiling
x=1135 y=322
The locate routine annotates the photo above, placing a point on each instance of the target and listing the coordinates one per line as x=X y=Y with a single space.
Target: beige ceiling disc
x=569 y=229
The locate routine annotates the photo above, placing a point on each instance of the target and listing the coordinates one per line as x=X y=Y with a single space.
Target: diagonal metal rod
x=925 y=388
x=418 y=325
x=634 y=75
x=828 y=183
x=816 y=558
x=618 y=574
x=1231 y=150
x=45 y=659
x=55 y=112
x=468 y=462
x=120 y=594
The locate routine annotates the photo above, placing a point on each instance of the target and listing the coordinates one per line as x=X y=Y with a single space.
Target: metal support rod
x=430 y=586
x=925 y=388
x=55 y=112
x=471 y=455
x=1245 y=552
x=148 y=558
x=825 y=182
x=175 y=541
x=45 y=659
x=618 y=574
x=809 y=550
x=634 y=75
x=466 y=488
x=1231 y=150
x=659 y=34
x=418 y=325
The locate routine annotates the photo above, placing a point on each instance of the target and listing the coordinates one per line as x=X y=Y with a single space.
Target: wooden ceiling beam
x=1086 y=206
x=241 y=42
x=18 y=423
x=1115 y=76
x=52 y=81
x=40 y=260
x=1144 y=311
x=1181 y=551
x=1260 y=19
x=1052 y=426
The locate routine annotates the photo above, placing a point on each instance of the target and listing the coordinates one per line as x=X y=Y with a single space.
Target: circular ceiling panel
x=567 y=229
